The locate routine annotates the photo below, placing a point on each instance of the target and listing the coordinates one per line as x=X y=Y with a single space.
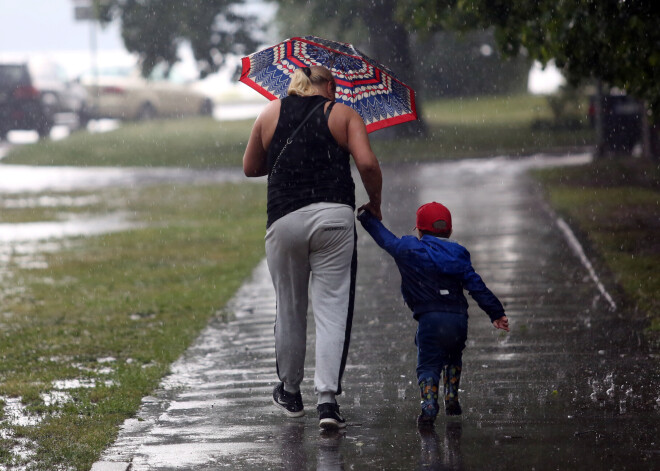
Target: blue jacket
x=434 y=272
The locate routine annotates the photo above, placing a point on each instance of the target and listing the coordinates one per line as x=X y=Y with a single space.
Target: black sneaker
x=291 y=404
x=329 y=416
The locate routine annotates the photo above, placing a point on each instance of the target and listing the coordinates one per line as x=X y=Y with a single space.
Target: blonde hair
x=302 y=85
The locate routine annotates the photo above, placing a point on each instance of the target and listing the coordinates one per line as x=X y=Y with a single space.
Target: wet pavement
x=573 y=385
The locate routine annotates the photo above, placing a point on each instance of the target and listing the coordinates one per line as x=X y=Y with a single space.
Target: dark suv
x=33 y=95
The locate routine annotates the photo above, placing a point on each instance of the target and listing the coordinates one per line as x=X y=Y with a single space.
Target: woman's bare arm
x=365 y=161
x=255 y=162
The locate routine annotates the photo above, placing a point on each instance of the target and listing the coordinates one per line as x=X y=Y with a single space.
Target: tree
x=154 y=29
x=375 y=28
x=452 y=64
x=615 y=42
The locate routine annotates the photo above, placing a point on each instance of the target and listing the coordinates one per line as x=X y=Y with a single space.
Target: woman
x=311 y=229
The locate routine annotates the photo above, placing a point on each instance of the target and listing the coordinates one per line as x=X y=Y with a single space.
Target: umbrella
x=368 y=87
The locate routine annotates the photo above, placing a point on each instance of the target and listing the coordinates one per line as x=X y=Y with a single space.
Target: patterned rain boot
x=451 y=381
x=428 y=388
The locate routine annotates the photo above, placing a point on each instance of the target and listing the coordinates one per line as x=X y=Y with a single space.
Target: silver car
x=123 y=93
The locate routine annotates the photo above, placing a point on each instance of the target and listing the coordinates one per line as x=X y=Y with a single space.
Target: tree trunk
x=650 y=137
x=390 y=45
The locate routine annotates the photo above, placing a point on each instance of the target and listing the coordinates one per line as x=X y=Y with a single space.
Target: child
x=434 y=271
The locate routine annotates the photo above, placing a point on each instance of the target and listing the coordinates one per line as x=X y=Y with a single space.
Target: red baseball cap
x=433 y=217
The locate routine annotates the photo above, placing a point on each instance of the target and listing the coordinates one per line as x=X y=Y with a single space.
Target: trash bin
x=621 y=122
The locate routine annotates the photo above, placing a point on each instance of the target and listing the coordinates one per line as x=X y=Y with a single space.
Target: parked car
x=35 y=94
x=123 y=93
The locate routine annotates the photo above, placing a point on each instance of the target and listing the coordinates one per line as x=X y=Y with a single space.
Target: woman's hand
x=373 y=208
x=501 y=323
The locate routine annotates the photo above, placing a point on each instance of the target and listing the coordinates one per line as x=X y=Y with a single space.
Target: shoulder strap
x=327 y=112
x=309 y=115
x=295 y=131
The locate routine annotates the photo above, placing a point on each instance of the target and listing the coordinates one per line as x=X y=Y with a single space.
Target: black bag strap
x=293 y=134
x=327 y=112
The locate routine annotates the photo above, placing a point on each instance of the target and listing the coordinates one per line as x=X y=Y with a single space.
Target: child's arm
x=486 y=299
x=381 y=235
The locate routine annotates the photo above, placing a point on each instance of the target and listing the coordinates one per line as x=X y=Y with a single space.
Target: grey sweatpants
x=315 y=244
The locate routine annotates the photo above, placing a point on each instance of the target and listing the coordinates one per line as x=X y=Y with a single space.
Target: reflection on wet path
x=71 y=227
x=571 y=387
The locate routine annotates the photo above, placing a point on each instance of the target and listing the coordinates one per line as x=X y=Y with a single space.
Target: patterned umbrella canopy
x=368 y=87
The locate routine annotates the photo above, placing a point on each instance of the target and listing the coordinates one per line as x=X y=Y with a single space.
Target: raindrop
x=622 y=406
x=486 y=50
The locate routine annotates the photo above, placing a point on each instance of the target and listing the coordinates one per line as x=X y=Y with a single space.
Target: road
x=573 y=386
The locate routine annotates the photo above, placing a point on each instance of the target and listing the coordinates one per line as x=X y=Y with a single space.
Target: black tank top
x=313 y=168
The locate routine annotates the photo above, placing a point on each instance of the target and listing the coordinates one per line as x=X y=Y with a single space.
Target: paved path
x=571 y=387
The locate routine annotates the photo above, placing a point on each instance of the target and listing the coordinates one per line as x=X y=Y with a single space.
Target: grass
x=456 y=128
x=615 y=206
x=137 y=297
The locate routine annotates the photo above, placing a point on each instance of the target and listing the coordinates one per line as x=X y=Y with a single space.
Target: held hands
x=501 y=323
x=372 y=208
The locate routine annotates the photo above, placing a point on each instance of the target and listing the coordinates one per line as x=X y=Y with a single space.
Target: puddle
x=16 y=414
x=31 y=179
x=65 y=384
x=56 y=398
x=72 y=227
x=49 y=201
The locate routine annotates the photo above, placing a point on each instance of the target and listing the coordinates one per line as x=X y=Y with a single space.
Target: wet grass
x=457 y=128
x=487 y=126
x=456 y=141
x=615 y=207
x=116 y=310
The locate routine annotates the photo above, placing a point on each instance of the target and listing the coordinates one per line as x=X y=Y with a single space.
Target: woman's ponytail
x=304 y=79
x=301 y=84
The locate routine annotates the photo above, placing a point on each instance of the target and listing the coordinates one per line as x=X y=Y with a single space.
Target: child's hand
x=501 y=323
x=371 y=207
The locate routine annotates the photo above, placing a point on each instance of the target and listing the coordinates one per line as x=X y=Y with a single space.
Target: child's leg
x=451 y=383
x=440 y=341
x=452 y=370
x=435 y=339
